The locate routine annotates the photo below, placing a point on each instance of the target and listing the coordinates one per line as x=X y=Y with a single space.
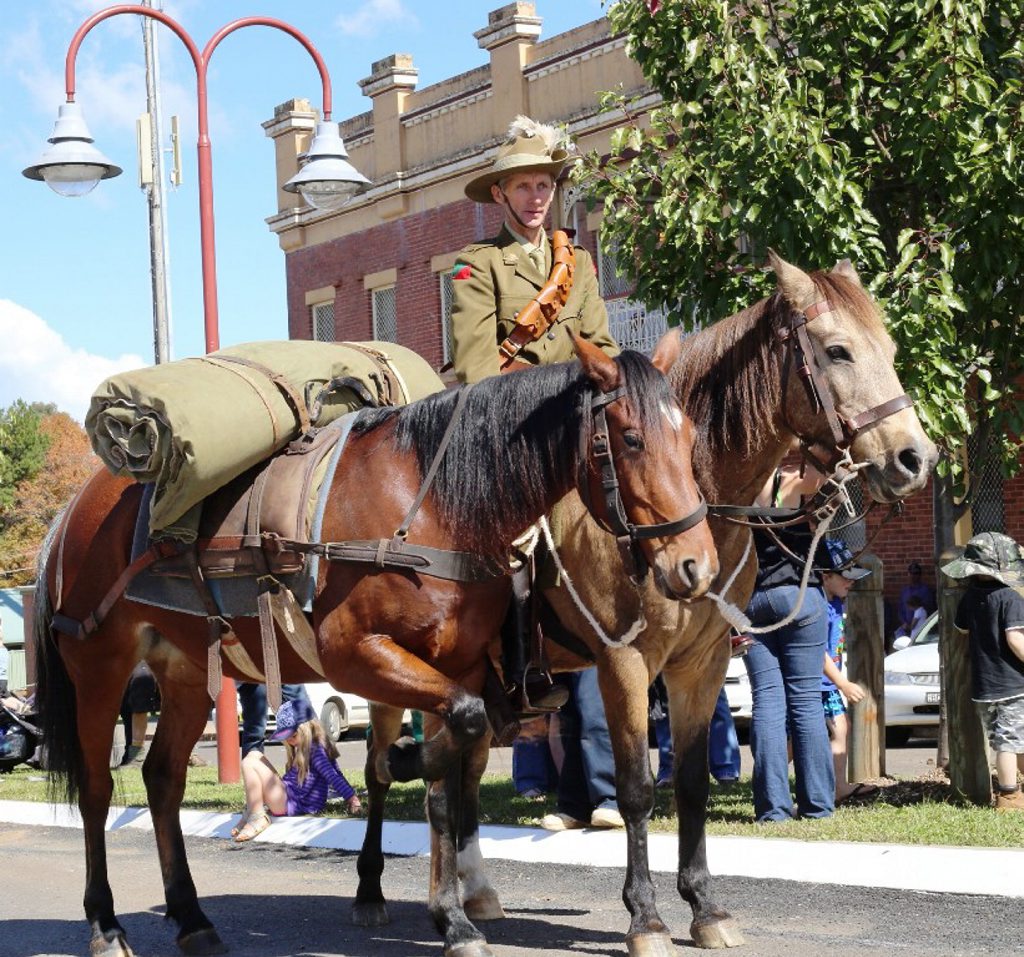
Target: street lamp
x=73 y=166
x=326 y=179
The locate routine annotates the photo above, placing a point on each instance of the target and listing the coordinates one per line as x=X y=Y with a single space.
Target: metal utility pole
x=158 y=248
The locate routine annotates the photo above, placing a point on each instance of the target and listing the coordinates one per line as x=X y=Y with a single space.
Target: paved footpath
x=991 y=871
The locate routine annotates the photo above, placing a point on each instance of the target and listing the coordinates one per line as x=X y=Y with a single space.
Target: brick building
x=380 y=267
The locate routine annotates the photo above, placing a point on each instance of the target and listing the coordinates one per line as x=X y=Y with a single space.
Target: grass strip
x=923 y=811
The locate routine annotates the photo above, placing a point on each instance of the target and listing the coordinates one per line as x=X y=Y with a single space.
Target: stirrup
x=536 y=693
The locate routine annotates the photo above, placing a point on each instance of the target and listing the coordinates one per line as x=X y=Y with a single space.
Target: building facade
x=380 y=267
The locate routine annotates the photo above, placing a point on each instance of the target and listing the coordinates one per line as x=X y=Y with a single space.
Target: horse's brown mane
x=731 y=372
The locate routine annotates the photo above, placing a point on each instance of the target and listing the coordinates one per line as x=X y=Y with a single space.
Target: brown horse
x=749 y=407
x=520 y=443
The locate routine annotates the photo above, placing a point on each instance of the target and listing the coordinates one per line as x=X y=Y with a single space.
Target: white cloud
x=38 y=365
x=373 y=15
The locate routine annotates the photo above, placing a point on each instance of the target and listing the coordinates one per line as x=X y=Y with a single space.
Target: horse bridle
x=803 y=353
x=628 y=535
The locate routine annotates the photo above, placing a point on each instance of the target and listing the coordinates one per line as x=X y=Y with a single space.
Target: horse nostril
x=689 y=573
x=910 y=460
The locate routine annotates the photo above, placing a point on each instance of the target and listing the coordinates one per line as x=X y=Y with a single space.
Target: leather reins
x=628 y=535
x=802 y=354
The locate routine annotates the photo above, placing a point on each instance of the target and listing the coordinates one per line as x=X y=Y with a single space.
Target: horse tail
x=55 y=692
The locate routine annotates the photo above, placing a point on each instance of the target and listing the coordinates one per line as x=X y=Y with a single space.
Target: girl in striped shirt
x=310 y=773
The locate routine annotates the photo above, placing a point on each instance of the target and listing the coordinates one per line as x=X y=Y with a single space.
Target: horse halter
x=627 y=534
x=803 y=353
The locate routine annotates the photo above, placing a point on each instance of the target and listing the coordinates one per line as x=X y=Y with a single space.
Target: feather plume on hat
x=552 y=137
x=529 y=147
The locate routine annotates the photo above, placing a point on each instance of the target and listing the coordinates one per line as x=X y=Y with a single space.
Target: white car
x=737 y=690
x=912 y=692
x=338 y=711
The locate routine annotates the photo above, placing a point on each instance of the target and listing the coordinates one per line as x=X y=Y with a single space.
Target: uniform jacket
x=493 y=281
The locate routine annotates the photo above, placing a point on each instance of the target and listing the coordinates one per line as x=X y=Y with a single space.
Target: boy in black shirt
x=992 y=613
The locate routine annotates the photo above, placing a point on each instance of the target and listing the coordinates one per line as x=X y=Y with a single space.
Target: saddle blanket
x=236 y=597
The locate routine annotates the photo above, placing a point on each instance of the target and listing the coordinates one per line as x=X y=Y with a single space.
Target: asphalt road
x=282 y=901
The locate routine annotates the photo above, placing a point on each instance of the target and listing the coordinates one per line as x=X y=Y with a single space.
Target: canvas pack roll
x=193 y=425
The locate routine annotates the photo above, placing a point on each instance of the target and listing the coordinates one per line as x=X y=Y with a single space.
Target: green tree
x=890 y=132
x=23 y=446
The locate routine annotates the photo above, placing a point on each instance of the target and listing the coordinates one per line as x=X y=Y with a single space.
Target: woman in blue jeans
x=785 y=665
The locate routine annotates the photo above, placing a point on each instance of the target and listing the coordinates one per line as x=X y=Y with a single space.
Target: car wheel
x=334 y=720
x=897 y=737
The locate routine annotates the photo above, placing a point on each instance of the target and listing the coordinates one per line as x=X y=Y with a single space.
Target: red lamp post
x=73 y=166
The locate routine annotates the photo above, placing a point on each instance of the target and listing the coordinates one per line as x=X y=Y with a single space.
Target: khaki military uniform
x=493 y=281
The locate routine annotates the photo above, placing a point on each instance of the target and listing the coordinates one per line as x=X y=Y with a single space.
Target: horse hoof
x=717 y=933
x=484 y=906
x=472 y=948
x=370 y=915
x=202 y=943
x=114 y=945
x=651 y=945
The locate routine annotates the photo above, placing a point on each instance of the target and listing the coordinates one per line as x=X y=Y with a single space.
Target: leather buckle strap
x=672 y=528
x=92 y=621
x=876 y=414
x=627 y=534
x=808 y=365
x=542 y=312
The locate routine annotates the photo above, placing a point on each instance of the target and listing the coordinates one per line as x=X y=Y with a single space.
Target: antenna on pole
x=154 y=183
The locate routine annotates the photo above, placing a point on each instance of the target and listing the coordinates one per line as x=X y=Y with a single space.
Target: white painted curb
x=961 y=870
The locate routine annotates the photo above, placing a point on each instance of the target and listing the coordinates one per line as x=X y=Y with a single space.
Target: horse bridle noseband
x=803 y=353
x=628 y=535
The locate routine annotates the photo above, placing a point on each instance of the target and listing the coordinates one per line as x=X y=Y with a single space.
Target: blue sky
x=75 y=299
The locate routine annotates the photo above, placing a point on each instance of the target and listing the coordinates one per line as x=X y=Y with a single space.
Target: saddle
x=243 y=522
x=241 y=531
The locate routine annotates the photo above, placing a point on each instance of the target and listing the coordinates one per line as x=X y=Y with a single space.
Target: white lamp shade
x=326 y=179
x=71 y=166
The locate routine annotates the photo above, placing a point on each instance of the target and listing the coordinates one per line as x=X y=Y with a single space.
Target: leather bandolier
x=528 y=685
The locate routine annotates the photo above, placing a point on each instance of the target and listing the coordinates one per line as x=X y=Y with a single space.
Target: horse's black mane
x=517 y=440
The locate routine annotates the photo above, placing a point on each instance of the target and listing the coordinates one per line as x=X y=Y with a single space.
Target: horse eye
x=838 y=354
x=633 y=440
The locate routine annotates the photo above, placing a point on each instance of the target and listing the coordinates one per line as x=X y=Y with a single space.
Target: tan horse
x=749 y=407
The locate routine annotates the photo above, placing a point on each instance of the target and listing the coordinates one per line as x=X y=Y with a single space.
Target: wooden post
x=865 y=651
x=969 y=772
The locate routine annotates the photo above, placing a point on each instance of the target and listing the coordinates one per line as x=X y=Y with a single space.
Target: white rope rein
x=844 y=473
x=633 y=629
x=837 y=500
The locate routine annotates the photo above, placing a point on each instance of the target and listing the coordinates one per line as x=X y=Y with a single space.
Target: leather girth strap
x=541 y=312
x=92 y=621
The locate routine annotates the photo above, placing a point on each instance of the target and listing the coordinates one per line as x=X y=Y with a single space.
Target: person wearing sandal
x=310 y=772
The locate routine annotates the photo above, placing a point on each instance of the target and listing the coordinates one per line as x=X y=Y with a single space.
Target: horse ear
x=795 y=285
x=845 y=269
x=601 y=369
x=666 y=352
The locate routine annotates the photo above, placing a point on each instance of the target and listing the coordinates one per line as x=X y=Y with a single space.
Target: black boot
x=529 y=688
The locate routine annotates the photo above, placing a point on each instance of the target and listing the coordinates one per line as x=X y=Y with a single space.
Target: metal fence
x=634 y=326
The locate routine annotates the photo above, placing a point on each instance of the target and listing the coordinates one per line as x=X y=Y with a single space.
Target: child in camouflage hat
x=992 y=614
